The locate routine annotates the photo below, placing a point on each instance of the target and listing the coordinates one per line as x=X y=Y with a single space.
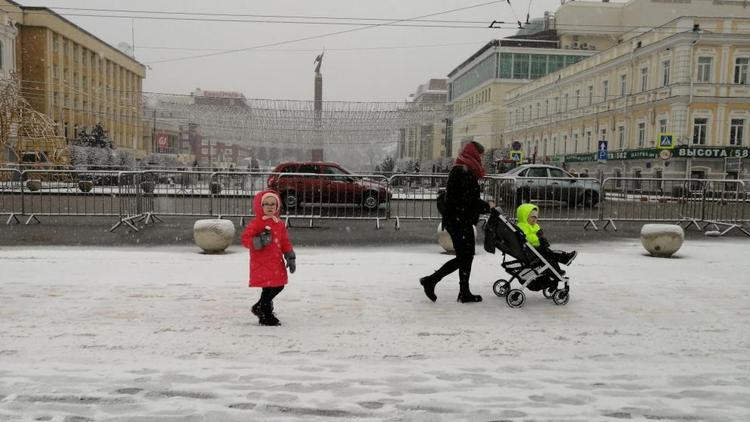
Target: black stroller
x=529 y=267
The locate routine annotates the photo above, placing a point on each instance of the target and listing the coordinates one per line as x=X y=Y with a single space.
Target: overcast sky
x=384 y=63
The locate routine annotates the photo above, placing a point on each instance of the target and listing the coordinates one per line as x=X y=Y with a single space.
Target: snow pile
x=166 y=334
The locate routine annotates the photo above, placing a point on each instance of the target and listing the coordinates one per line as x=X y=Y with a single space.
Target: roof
x=52 y=12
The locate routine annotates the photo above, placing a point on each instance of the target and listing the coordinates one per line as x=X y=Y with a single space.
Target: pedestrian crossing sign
x=665 y=141
x=516 y=155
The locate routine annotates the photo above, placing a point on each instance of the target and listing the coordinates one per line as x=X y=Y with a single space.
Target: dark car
x=325 y=183
x=540 y=182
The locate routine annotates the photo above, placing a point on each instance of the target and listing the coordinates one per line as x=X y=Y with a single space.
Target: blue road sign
x=602 y=151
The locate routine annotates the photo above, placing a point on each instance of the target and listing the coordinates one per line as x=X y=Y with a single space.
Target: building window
x=578 y=98
x=588 y=141
x=1 y=55
x=538 y=110
x=737 y=132
x=700 y=127
x=605 y=90
x=663 y=126
x=565 y=104
x=644 y=79
x=704 y=69
x=665 y=70
x=621 y=137
x=546 y=107
x=623 y=85
x=740 y=70
x=575 y=143
x=641 y=134
x=591 y=94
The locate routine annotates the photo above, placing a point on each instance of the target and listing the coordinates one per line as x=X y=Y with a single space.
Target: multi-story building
x=8 y=33
x=424 y=142
x=77 y=79
x=478 y=86
x=687 y=80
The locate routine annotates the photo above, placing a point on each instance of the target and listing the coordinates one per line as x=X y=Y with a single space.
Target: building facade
x=425 y=141
x=8 y=34
x=686 y=81
x=76 y=78
x=479 y=86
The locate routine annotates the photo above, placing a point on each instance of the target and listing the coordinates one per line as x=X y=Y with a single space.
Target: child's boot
x=465 y=295
x=267 y=317
x=428 y=284
x=568 y=257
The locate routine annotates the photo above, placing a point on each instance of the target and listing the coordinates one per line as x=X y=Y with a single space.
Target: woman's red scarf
x=471 y=158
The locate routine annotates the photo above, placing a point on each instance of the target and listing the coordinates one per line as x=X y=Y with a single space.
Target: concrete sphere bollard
x=213 y=236
x=662 y=240
x=444 y=239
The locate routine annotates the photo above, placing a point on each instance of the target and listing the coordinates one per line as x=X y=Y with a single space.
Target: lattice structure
x=295 y=124
x=24 y=129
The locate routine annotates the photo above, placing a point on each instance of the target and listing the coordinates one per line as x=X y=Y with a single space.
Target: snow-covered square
x=166 y=334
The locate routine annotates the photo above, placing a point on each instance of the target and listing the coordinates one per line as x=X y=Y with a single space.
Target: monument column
x=316 y=152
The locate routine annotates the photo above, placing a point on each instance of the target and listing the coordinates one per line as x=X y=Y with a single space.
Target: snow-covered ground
x=166 y=334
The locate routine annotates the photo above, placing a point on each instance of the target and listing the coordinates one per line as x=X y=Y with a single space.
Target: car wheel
x=370 y=200
x=590 y=198
x=289 y=200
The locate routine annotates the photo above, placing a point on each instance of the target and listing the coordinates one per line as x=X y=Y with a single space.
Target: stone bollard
x=662 y=240
x=444 y=239
x=213 y=236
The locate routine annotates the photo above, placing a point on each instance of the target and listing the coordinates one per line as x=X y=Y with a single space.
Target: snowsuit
x=463 y=206
x=535 y=236
x=267 y=268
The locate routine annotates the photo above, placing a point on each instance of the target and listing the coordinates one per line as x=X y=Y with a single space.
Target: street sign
x=516 y=155
x=665 y=154
x=162 y=139
x=665 y=141
x=602 y=151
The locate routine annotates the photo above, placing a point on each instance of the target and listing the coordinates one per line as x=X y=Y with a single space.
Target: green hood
x=523 y=211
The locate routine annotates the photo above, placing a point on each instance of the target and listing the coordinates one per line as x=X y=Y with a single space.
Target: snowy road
x=165 y=334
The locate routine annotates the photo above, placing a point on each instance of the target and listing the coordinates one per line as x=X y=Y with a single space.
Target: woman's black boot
x=465 y=295
x=429 y=283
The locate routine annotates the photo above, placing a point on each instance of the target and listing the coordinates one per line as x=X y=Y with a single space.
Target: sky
x=165 y=333
x=380 y=63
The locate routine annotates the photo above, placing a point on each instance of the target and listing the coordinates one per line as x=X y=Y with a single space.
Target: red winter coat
x=267 y=267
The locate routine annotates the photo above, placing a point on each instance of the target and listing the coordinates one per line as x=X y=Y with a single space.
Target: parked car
x=325 y=183
x=541 y=182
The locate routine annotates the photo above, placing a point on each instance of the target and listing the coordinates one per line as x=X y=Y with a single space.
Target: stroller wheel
x=561 y=297
x=501 y=287
x=548 y=292
x=515 y=299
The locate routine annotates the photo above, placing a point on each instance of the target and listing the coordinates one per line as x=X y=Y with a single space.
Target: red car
x=325 y=183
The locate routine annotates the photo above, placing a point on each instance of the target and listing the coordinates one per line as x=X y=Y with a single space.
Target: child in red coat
x=269 y=245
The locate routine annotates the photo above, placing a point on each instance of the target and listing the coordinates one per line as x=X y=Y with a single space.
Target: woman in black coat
x=463 y=206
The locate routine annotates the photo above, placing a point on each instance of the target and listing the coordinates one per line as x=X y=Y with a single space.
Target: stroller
x=528 y=266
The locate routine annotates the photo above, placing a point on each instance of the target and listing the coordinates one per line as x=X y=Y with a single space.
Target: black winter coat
x=463 y=204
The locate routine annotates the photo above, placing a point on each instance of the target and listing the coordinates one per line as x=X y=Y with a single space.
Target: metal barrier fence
x=137 y=196
x=10 y=203
x=696 y=202
x=413 y=196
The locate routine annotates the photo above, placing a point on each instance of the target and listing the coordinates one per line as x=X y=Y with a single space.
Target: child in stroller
x=529 y=265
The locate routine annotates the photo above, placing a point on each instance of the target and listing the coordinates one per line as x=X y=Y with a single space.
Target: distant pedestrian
x=463 y=205
x=268 y=241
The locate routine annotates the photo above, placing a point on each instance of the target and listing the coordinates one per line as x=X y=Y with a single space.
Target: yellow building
x=424 y=141
x=76 y=78
x=687 y=81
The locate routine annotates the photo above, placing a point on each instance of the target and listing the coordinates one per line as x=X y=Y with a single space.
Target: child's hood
x=258 y=201
x=523 y=211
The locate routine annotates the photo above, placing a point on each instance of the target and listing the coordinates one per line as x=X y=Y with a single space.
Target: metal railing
x=145 y=196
